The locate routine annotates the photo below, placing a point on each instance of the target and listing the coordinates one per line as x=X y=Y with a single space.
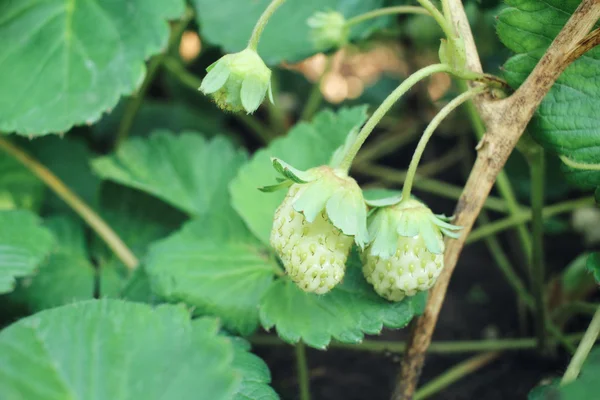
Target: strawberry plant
x=268 y=199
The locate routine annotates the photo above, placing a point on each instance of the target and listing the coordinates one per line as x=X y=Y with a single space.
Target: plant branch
x=387 y=11
x=79 y=206
x=262 y=22
x=135 y=102
x=525 y=216
x=456 y=373
x=302 y=370
x=505 y=120
x=588 y=340
x=441 y=347
x=537 y=269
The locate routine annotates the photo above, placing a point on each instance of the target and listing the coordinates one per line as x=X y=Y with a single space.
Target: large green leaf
x=217 y=266
x=110 y=349
x=66 y=276
x=66 y=62
x=255 y=374
x=229 y=23
x=567 y=122
x=187 y=171
x=19 y=188
x=24 y=244
x=582 y=388
x=345 y=314
x=307 y=145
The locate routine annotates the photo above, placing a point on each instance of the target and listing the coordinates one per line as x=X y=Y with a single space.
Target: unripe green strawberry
x=328 y=29
x=315 y=225
x=238 y=81
x=313 y=254
x=411 y=269
x=405 y=255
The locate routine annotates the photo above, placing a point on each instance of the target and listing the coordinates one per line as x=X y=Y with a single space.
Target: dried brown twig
x=505 y=121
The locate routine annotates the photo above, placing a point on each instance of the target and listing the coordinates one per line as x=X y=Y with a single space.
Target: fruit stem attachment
x=435 y=122
x=386 y=11
x=79 y=206
x=385 y=107
x=589 y=338
x=262 y=22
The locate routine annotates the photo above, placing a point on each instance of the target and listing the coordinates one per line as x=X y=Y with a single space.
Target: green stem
x=262 y=22
x=135 y=102
x=573 y=308
x=439 y=18
x=302 y=370
x=386 y=11
x=456 y=373
x=94 y=220
x=404 y=87
x=525 y=216
x=315 y=98
x=441 y=347
x=589 y=338
x=277 y=117
x=505 y=266
x=536 y=164
x=435 y=122
x=175 y=68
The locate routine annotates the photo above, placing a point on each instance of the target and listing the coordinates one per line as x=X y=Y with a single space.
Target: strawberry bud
x=328 y=29
x=238 y=81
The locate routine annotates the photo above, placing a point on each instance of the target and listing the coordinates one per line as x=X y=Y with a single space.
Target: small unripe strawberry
x=406 y=251
x=238 y=81
x=313 y=254
x=315 y=225
x=411 y=269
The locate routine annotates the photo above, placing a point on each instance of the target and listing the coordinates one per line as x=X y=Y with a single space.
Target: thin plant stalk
x=435 y=122
x=404 y=87
x=586 y=344
x=102 y=229
x=456 y=373
x=302 y=371
x=315 y=97
x=262 y=22
x=135 y=102
x=536 y=163
x=386 y=11
x=525 y=216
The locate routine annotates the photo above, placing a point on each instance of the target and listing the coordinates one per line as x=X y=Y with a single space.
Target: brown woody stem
x=505 y=121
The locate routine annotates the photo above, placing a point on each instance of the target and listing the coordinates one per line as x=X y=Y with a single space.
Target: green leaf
x=111 y=349
x=19 y=188
x=229 y=23
x=256 y=376
x=24 y=244
x=187 y=171
x=346 y=313
x=66 y=276
x=593 y=265
x=307 y=145
x=69 y=159
x=580 y=389
x=66 y=62
x=567 y=122
x=217 y=266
